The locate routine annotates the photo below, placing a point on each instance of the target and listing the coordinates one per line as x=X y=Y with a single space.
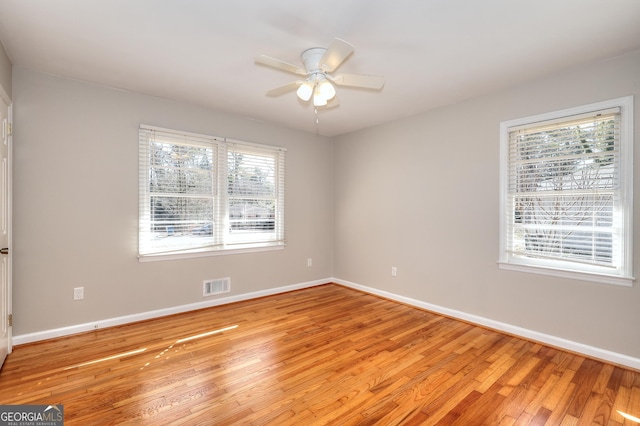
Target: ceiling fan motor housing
x=311 y=59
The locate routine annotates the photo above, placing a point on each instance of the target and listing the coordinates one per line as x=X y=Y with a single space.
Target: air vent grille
x=217 y=286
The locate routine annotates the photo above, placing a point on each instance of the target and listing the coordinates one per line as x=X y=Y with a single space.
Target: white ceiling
x=431 y=52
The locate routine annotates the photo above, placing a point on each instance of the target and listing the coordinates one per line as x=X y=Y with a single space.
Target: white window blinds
x=200 y=193
x=255 y=193
x=565 y=203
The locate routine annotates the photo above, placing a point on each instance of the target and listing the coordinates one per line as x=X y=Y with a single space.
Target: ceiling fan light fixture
x=318 y=98
x=305 y=91
x=326 y=89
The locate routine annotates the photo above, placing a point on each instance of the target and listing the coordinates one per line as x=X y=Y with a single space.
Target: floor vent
x=217 y=286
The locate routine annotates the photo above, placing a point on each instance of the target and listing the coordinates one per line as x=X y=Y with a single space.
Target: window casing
x=566 y=193
x=201 y=195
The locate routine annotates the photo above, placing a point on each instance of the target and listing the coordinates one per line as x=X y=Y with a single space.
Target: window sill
x=576 y=275
x=211 y=251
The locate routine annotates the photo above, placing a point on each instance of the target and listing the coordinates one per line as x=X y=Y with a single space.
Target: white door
x=5 y=228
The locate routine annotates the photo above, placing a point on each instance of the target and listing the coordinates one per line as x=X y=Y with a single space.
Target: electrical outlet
x=309 y=262
x=394 y=271
x=78 y=293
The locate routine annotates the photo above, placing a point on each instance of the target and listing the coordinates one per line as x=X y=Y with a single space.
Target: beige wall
x=422 y=194
x=76 y=206
x=5 y=71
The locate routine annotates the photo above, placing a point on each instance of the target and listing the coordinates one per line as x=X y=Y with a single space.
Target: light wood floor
x=324 y=355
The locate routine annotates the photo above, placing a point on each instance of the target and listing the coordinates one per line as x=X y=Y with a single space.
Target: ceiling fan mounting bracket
x=311 y=59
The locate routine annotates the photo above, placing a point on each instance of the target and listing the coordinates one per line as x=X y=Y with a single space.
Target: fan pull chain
x=315 y=111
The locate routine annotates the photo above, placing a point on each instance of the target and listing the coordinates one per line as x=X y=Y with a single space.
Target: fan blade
x=336 y=53
x=278 y=64
x=333 y=103
x=284 y=89
x=358 y=80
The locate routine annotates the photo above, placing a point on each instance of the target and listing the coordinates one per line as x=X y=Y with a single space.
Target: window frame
x=622 y=273
x=221 y=241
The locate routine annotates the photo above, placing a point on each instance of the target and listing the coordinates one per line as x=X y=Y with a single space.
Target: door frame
x=9 y=307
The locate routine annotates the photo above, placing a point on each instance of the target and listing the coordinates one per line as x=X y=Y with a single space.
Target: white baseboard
x=558 y=342
x=111 y=322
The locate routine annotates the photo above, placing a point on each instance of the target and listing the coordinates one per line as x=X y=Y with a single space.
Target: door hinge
x=10 y=320
x=9 y=129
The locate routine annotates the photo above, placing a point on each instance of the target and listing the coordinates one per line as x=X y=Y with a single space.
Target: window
x=201 y=195
x=566 y=184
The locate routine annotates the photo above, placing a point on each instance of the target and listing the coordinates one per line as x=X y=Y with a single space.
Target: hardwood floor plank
x=585 y=378
x=541 y=417
x=323 y=355
x=634 y=401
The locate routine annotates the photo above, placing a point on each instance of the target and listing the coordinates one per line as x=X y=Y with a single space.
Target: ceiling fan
x=319 y=63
